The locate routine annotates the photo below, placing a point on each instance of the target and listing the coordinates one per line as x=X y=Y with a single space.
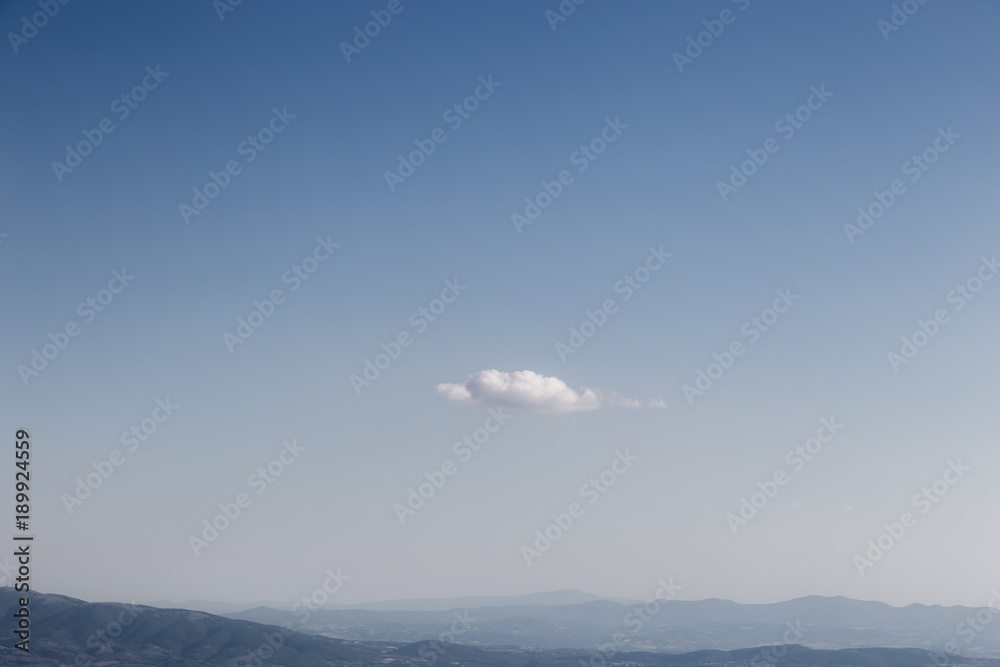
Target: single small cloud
x=528 y=390
x=848 y=508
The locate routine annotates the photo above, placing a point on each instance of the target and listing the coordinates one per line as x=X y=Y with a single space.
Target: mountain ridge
x=557 y=597
x=672 y=625
x=68 y=631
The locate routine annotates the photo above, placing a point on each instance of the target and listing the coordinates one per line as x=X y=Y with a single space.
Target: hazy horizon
x=611 y=598
x=678 y=598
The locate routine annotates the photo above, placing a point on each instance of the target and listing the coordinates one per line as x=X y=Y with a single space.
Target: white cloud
x=528 y=390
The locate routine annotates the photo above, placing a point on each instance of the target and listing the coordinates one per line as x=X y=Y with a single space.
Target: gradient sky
x=656 y=185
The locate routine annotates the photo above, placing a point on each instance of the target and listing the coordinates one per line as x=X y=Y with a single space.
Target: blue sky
x=323 y=176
